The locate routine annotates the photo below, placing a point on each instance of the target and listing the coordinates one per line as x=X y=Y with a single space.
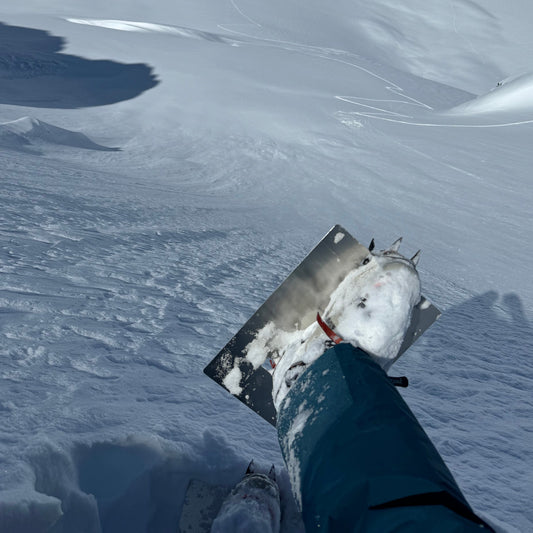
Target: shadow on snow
x=34 y=72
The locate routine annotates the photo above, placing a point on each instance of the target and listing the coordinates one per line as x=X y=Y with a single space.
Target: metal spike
x=371 y=246
x=272 y=473
x=395 y=246
x=250 y=469
x=416 y=258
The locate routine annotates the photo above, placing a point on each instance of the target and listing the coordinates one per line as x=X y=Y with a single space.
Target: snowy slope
x=164 y=166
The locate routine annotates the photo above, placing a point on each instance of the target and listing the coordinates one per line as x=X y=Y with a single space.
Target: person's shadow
x=34 y=73
x=490 y=330
x=471 y=383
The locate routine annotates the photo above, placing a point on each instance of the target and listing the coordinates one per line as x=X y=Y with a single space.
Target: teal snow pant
x=357 y=457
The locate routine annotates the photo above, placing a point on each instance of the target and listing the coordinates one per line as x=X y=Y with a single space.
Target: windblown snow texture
x=244 y=135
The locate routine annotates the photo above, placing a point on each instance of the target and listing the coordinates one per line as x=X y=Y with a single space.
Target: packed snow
x=371 y=308
x=291 y=438
x=253 y=505
x=157 y=186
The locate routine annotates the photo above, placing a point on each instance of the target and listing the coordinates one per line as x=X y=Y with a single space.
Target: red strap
x=328 y=331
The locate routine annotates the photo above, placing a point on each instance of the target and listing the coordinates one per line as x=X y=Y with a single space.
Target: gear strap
x=328 y=331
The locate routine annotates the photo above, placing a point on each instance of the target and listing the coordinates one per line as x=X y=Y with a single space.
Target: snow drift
x=28 y=132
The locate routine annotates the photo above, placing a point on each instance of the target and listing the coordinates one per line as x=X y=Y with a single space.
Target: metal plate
x=294 y=305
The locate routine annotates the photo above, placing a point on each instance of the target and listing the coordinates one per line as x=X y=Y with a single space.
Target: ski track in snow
x=241 y=12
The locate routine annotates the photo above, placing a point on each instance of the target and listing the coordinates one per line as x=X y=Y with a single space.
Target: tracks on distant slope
x=398 y=109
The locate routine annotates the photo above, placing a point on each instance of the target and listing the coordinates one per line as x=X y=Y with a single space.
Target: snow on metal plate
x=294 y=306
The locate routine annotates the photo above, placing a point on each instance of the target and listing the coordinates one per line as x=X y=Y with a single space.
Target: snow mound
x=510 y=95
x=24 y=133
x=150 y=27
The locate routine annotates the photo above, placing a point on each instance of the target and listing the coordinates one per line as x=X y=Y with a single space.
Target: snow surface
x=243 y=135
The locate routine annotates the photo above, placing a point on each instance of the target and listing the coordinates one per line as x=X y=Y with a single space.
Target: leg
x=357 y=457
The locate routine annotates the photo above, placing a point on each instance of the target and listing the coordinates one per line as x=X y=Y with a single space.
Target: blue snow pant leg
x=357 y=457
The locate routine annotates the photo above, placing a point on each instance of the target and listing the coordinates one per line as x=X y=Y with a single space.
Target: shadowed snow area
x=493 y=330
x=123 y=272
x=34 y=72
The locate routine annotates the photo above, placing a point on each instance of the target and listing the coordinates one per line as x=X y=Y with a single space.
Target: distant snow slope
x=36 y=72
x=246 y=130
x=511 y=95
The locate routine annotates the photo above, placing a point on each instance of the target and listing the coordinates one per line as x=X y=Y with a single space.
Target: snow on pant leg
x=357 y=457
